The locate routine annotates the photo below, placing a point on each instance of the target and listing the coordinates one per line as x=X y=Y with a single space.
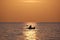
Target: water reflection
x=30 y=34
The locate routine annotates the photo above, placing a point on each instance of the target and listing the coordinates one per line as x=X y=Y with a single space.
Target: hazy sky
x=30 y=11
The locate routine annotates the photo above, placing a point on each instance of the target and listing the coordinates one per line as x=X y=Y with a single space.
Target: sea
x=20 y=31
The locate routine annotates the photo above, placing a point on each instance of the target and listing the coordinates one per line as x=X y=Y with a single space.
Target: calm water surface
x=19 y=31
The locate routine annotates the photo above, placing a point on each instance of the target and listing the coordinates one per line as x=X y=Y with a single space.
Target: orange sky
x=20 y=11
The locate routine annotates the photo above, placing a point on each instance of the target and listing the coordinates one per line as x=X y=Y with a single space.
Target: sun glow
x=31 y=1
x=31 y=23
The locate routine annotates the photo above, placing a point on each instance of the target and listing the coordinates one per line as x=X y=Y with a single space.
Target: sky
x=29 y=10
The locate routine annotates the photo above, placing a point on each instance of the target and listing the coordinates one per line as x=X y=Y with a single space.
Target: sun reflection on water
x=30 y=35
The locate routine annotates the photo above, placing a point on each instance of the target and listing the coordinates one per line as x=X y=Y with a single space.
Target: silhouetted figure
x=30 y=27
